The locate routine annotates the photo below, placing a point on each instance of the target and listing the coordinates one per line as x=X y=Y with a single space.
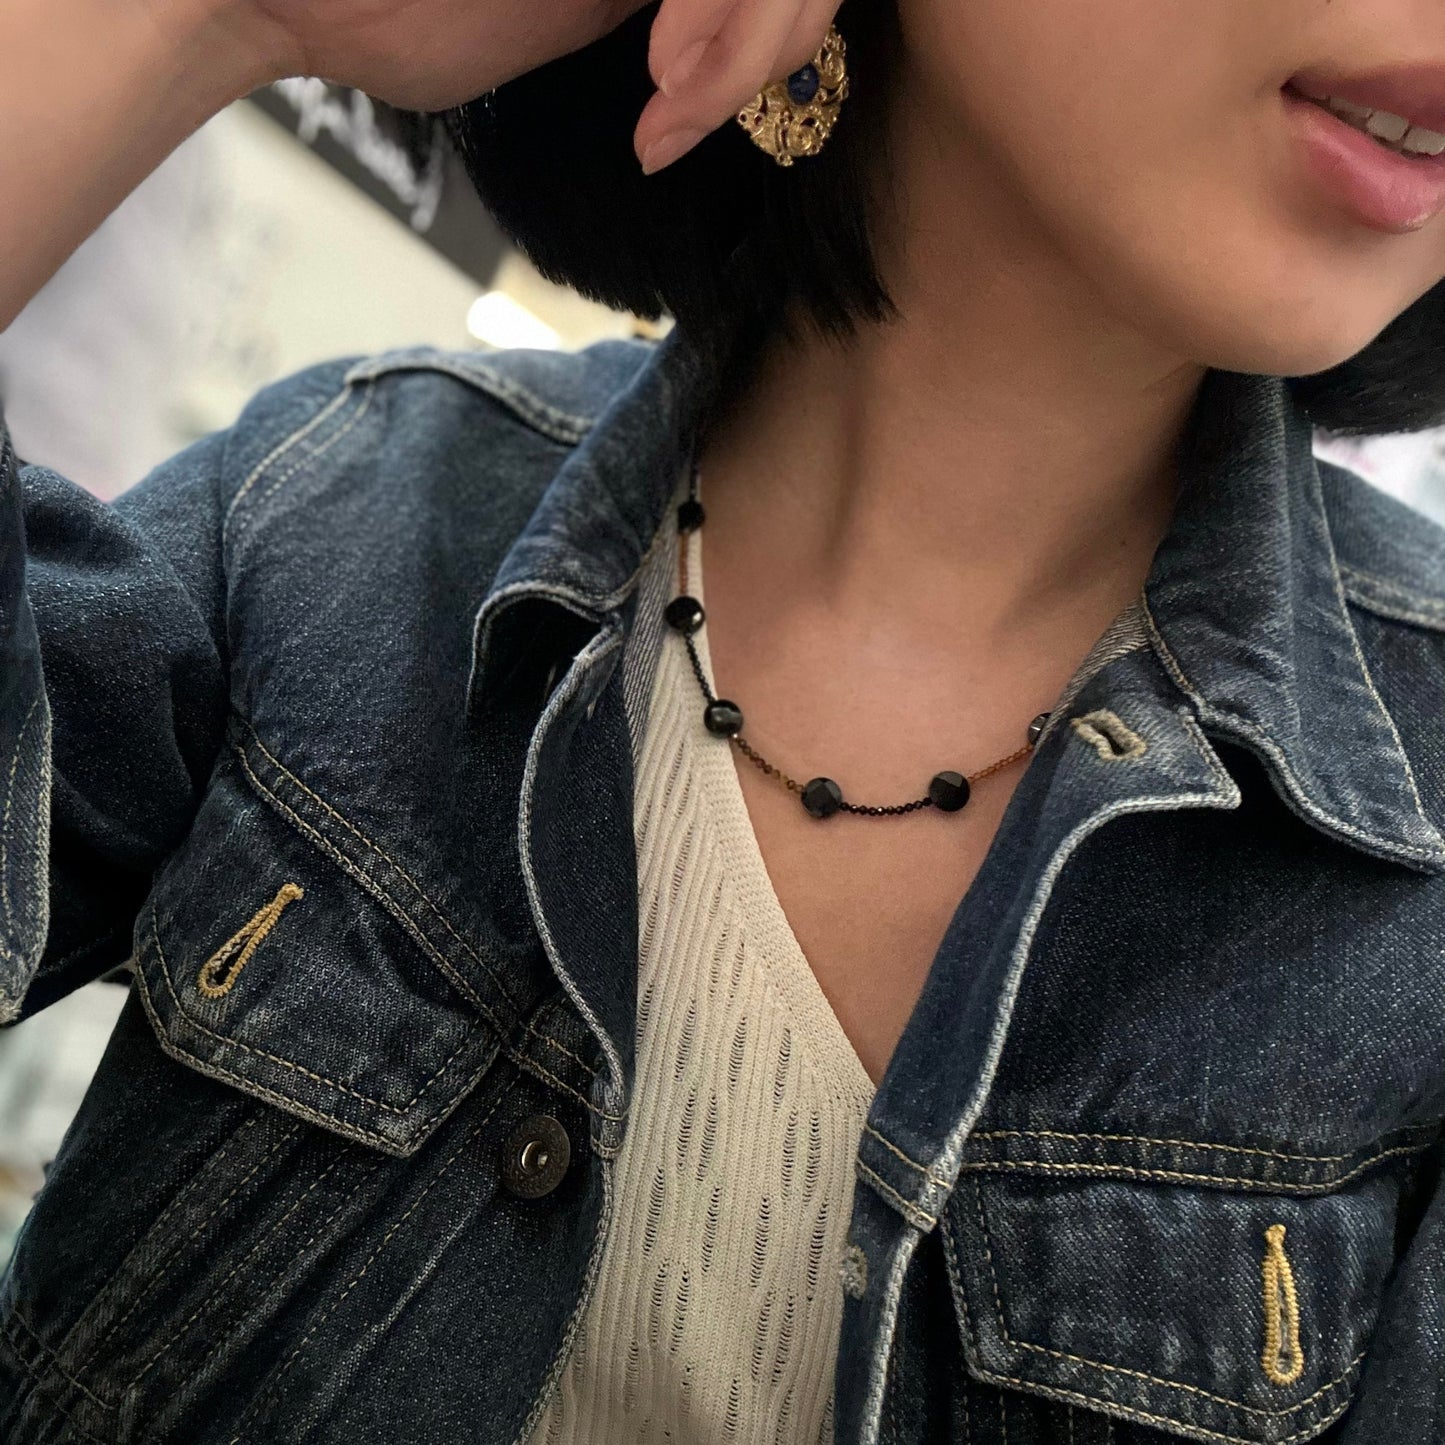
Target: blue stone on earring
x=803 y=84
x=794 y=117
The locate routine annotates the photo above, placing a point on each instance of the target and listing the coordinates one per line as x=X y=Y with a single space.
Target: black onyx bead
x=723 y=718
x=949 y=791
x=822 y=797
x=690 y=515
x=1036 y=728
x=684 y=613
x=803 y=84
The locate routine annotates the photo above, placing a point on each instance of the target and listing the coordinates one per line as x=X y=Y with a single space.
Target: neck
x=1002 y=452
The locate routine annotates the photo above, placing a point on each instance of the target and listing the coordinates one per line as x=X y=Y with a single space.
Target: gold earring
x=795 y=117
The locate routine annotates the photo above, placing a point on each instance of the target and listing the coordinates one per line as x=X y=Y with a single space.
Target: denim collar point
x=1258 y=636
x=592 y=528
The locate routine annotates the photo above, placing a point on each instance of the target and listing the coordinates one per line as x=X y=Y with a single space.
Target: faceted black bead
x=949 y=791
x=723 y=718
x=822 y=797
x=684 y=613
x=690 y=516
x=1036 y=728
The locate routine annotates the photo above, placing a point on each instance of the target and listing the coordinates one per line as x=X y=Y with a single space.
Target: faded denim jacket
x=326 y=733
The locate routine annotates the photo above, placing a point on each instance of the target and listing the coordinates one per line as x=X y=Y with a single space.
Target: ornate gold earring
x=795 y=117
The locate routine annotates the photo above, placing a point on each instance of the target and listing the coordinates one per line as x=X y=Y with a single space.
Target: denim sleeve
x=112 y=705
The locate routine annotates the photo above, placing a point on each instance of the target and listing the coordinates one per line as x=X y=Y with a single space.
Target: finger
x=807 y=37
x=681 y=28
x=741 y=58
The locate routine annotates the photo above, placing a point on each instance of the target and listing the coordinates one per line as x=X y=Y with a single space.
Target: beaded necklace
x=822 y=797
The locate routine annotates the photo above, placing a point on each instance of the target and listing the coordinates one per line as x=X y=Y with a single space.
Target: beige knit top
x=716 y=1310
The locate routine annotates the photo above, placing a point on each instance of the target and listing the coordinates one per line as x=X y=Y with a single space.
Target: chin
x=1282 y=330
x=1286 y=355
x=1304 y=319
x=1303 y=350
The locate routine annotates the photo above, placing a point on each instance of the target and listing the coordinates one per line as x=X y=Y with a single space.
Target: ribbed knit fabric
x=717 y=1306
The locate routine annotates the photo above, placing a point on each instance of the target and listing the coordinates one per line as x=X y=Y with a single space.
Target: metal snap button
x=535 y=1157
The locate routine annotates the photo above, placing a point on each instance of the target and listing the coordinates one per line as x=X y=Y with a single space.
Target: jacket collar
x=1244 y=601
x=586 y=540
x=1248 y=615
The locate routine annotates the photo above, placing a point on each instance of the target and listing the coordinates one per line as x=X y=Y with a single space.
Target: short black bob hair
x=725 y=237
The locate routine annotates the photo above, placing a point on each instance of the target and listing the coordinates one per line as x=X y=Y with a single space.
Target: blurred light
x=499 y=321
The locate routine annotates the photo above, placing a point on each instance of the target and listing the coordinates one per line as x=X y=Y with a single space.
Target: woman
x=1025 y=1028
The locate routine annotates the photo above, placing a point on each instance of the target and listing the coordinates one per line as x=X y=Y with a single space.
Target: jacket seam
x=9 y=807
x=1125 y=1171
x=46 y=1387
x=198 y=1182
x=1385 y=612
x=1385 y=712
x=521 y=1060
x=349 y=865
x=1145 y=1417
x=292 y=439
x=250 y=1255
x=872 y=1409
x=524 y=404
x=561 y=1048
x=380 y=852
x=531 y=1066
x=1425 y=607
x=917 y=1216
x=421 y=893
x=273 y=1385
x=288 y=1063
x=1187 y=1143
x=17 y=1317
x=286 y=1102
x=609 y=642
x=1225 y=795
x=305 y=460
x=892 y=1148
x=528 y=1025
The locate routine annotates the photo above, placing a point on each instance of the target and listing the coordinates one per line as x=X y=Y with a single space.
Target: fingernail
x=666 y=149
x=680 y=71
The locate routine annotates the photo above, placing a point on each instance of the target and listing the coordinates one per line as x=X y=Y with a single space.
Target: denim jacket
x=325 y=732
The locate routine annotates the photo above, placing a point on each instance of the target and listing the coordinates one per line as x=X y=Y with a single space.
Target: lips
x=1414 y=92
x=1377 y=186
x=1390 y=130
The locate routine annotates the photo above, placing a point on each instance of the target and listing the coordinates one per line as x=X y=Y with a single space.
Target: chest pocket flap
x=277 y=954
x=1214 y=1293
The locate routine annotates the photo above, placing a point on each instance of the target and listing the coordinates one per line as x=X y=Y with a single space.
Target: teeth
x=1387 y=127
x=1349 y=110
x=1431 y=142
x=1393 y=131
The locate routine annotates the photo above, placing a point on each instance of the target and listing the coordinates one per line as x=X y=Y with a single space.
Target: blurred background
x=295 y=227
